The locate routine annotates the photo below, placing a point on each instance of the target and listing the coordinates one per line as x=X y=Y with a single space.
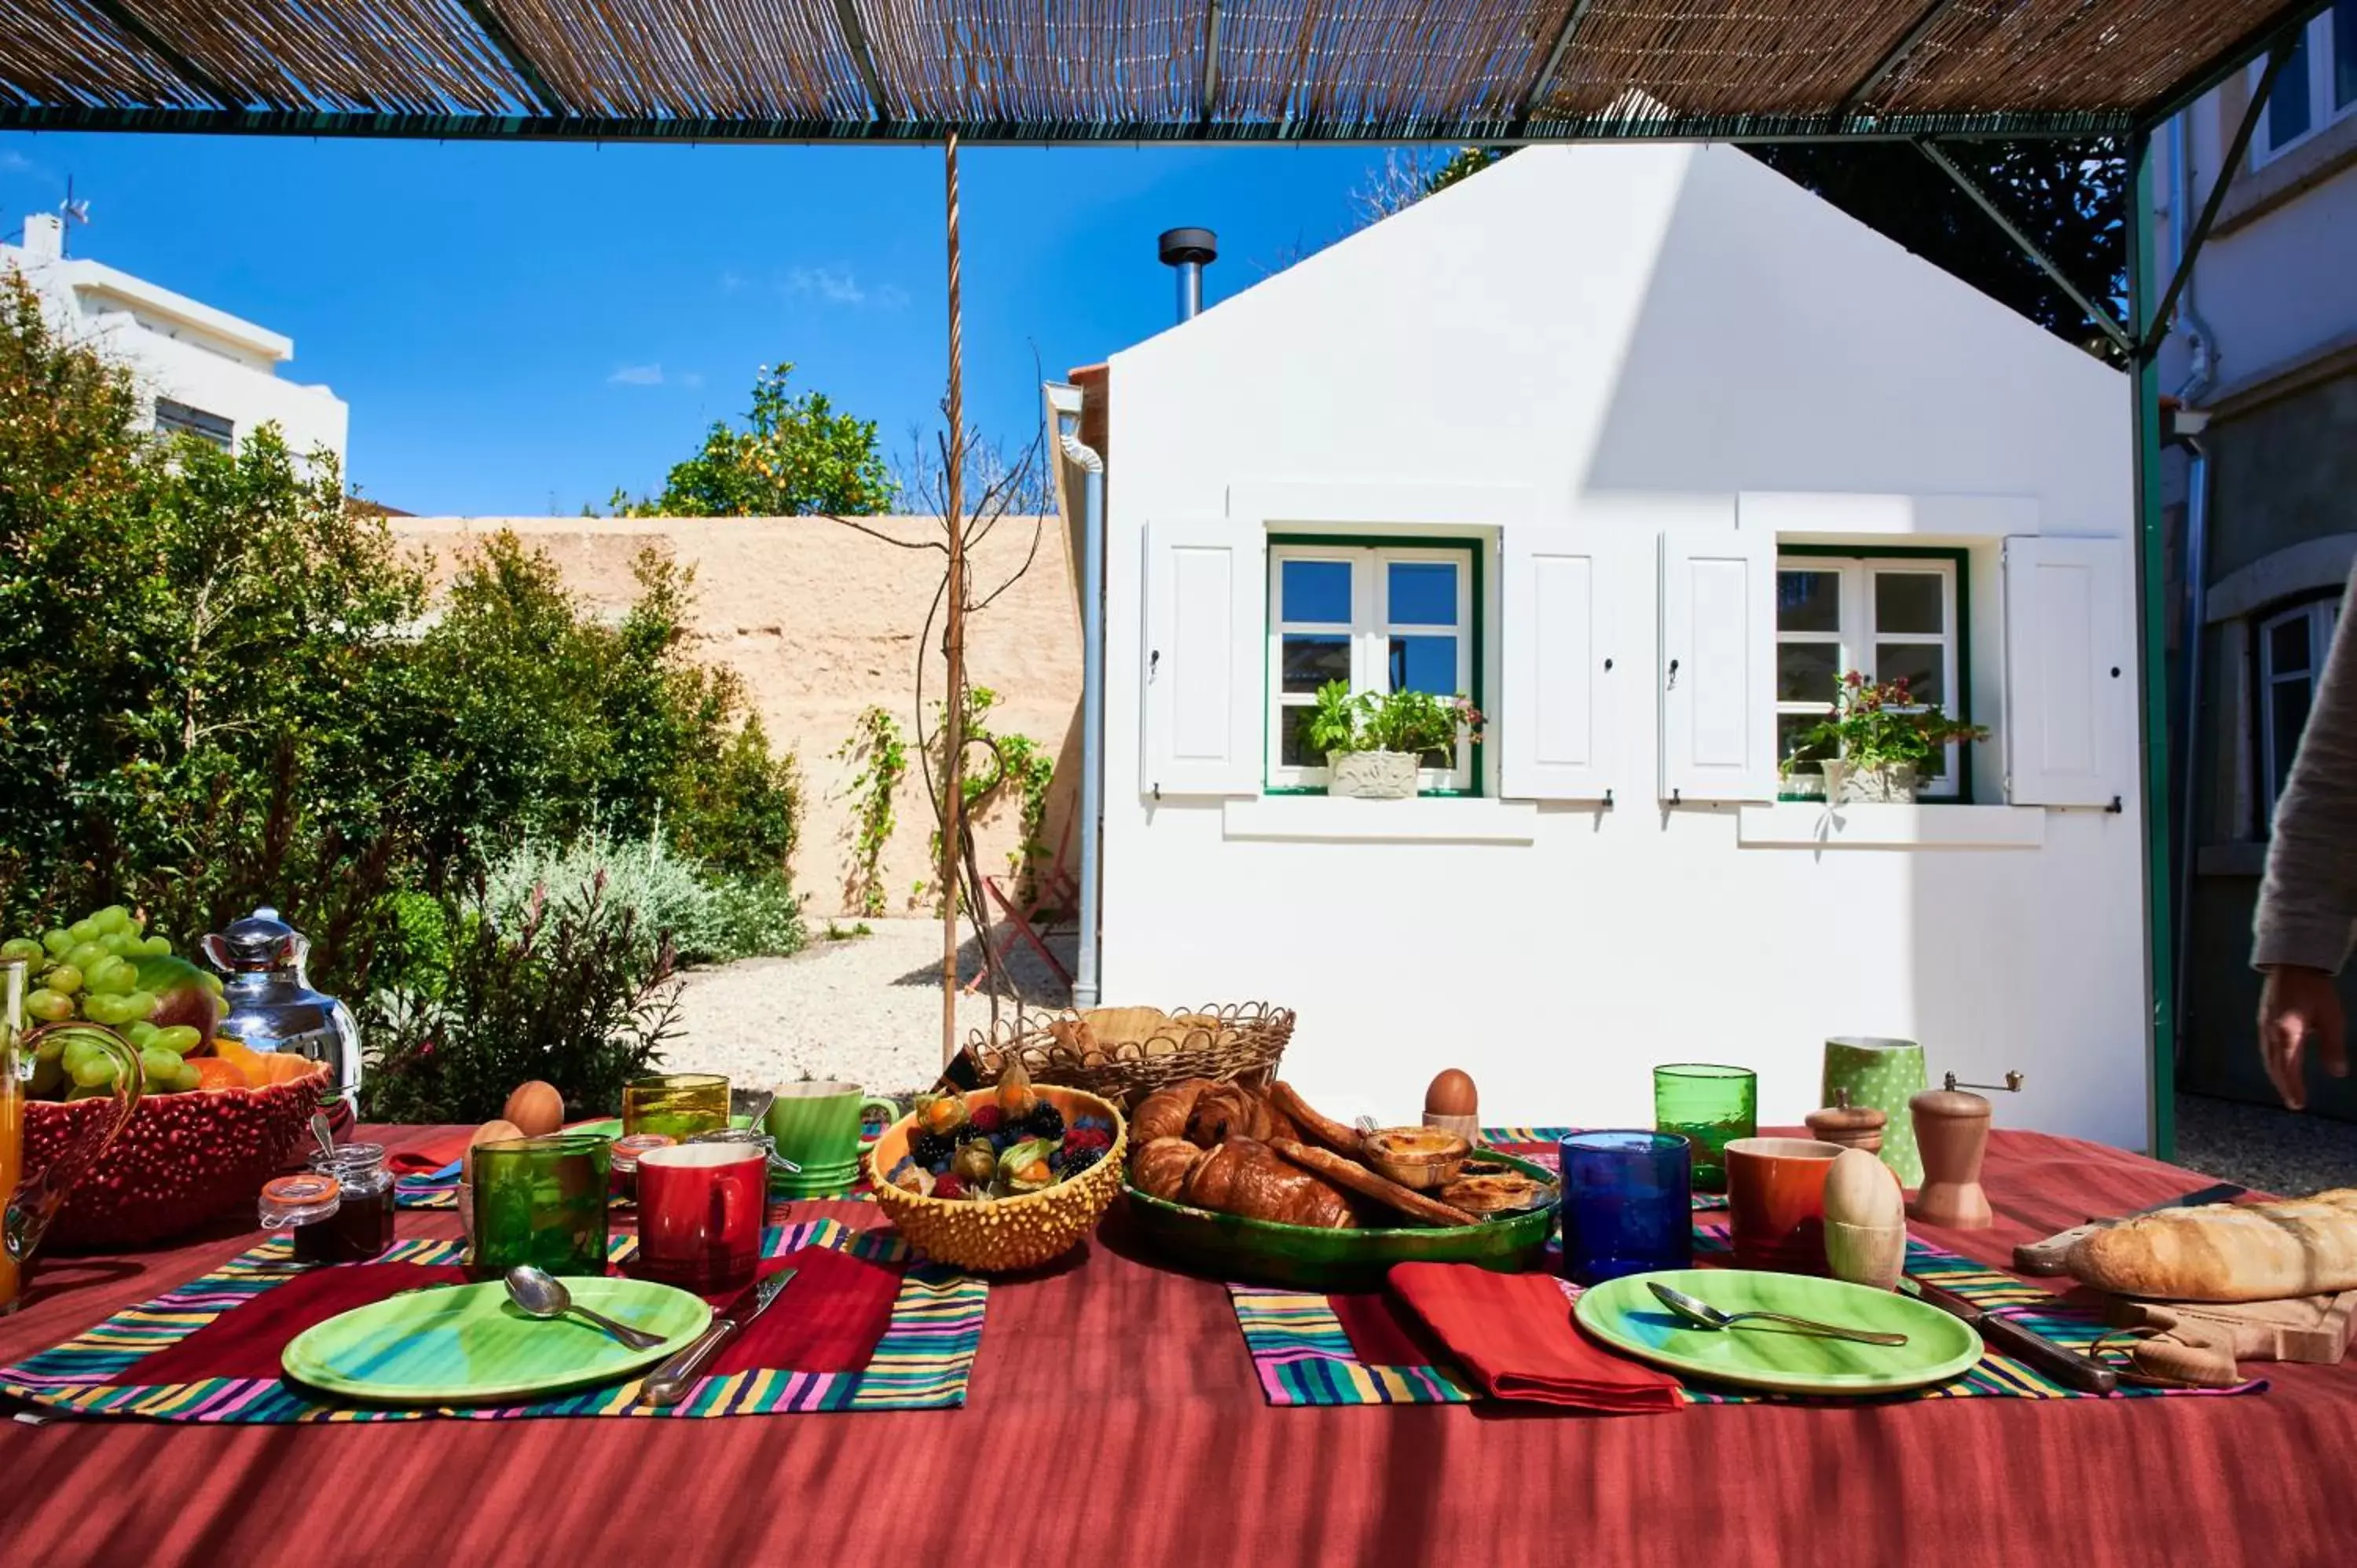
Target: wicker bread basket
x=1006 y=1234
x=1127 y=1053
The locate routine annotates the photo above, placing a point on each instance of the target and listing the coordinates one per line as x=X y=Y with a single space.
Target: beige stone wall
x=821 y=620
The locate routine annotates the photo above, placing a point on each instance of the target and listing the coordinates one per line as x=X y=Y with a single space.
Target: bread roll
x=2227 y=1251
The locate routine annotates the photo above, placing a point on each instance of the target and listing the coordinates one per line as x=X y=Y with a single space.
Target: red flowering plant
x=1880 y=724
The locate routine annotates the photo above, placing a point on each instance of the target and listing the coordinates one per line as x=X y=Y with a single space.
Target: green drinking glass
x=542 y=1201
x=1710 y=1106
x=678 y=1104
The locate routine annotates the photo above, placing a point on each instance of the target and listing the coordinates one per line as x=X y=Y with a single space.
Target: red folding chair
x=1055 y=897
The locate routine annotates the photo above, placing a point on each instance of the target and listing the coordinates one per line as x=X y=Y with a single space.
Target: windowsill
x=1428 y=818
x=2260 y=189
x=1807 y=824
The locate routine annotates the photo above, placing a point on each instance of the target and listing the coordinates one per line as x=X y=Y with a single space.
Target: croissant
x=1243 y=1176
x=1165 y=1112
x=1161 y=1167
x=1227 y=1111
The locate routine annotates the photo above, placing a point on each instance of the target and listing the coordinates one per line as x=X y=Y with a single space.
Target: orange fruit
x=248 y=1063
x=214 y=1072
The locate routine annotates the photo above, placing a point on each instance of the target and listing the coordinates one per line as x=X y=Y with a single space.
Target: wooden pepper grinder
x=1952 y=1129
x=1851 y=1126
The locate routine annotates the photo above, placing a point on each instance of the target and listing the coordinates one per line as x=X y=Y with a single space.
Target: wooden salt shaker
x=1952 y=1129
x=1851 y=1126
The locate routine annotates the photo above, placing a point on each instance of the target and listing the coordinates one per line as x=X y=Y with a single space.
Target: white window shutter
x=1555 y=735
x=1717 y=665
x=2070 y=684
x=1205 y=591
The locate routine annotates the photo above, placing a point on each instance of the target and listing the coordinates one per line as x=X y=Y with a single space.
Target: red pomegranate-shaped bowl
x=185 y=1159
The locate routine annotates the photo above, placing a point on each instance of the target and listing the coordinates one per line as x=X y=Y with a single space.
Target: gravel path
x=866 y=1010
x=2264 y=1146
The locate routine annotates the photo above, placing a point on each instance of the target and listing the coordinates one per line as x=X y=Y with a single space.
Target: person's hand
x=2298 y=1006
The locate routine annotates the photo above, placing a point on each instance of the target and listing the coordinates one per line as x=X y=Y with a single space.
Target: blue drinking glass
x=1627 y=1204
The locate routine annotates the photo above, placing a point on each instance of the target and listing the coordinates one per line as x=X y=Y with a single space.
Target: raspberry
x=988 y=1119
x=948 y=1186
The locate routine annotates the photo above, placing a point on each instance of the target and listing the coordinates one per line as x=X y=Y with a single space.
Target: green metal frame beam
x=185 y=68
x=1553 y=62
x=2199 y=235
x=1892 y=59
x=2102 y=318
x=495 y=32
x=863 y=58
x=2152 y=661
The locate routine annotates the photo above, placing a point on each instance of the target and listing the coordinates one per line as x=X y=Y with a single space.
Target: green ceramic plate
x=469 y=1345
x=1625 y=1314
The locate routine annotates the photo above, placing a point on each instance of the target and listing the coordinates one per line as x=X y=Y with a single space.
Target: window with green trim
x=1885 y=616
x=1386 y=617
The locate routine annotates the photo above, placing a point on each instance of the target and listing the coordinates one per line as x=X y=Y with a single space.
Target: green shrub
x=706 y=917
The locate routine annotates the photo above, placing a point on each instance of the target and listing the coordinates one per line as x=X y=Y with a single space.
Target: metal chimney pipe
x=1189 y=251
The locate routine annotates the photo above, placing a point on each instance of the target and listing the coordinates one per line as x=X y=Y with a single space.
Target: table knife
x=669 y=1383
x=2050 y=1256
x=2024 y=1343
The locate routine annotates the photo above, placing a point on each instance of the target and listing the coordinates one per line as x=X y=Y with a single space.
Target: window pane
x=1920 y=665
x=2288 y=713
x=1806 y=672
x=1424 y=664
x=1292 y=750
x=1317 y=591
x=1910 y=601
x=1422 y=592
x=1808 y=601
x=2288 y=646
x=1789 y=727
x=2344 y=54
x=1310 y=661
x=2287 y=107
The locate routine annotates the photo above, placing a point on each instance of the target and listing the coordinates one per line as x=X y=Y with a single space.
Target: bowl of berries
x=1003 y=1179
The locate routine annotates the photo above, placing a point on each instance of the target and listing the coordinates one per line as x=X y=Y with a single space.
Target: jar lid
x=630 y=1145
x=299 y=1199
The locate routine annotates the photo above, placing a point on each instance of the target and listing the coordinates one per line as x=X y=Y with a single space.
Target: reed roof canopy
x=1030 y=71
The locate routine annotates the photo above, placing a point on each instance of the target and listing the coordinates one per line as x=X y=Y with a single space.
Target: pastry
x=1494 y=1192
x=1243 y=1177
x=1165 y=1112
x=1349 y=1173
x=1161 y=1168
x=1315 y=1128
x=2227 y=1251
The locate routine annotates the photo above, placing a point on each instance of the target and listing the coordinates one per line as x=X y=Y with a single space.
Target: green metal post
x=2152 y=665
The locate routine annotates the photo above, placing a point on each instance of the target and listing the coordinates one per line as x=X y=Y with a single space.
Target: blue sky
x=520 y=328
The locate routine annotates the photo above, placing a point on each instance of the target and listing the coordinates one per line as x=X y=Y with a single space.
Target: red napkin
x=246 y=1340
x=1513 y=1332
x=430 y=1157
x=828 y=1319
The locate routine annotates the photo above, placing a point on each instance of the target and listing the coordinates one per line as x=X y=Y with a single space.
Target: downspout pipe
x=2201 y=346
x=1085 y=986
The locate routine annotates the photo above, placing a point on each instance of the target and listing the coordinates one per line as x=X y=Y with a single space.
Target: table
x=1131 y=1386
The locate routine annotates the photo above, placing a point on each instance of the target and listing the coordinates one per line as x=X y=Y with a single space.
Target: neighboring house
x=201 y=371
x=2266 y=354
x=1638 y=445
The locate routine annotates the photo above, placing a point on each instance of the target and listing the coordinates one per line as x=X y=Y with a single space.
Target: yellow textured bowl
x=1009 y=1233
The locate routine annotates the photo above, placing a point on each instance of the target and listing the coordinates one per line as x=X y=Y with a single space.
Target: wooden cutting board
x=2314 y=1329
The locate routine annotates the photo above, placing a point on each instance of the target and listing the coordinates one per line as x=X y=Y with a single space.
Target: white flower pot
x=1372 y=775
x=1894 y=785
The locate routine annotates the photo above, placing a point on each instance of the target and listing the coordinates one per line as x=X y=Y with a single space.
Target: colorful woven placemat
x=922 y=1360
x=1304 y=1354
x=1538 y=1144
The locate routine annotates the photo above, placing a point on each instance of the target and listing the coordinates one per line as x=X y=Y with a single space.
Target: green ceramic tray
x=1257 y=1252
x=469 y=1345
x=1626 y=1314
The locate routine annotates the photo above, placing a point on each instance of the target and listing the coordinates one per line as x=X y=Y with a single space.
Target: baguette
x=2227 y=1251
x=1358 y=1179
x=1319 y=1128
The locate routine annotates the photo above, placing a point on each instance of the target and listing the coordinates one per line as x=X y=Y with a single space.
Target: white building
x=199 y=369
x=1638 y=445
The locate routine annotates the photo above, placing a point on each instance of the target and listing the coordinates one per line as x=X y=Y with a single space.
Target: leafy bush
x=706 y=917
x=795 y=454
x=567 y=991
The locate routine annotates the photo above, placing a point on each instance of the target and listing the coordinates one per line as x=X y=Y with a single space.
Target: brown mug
x=1776 y=1198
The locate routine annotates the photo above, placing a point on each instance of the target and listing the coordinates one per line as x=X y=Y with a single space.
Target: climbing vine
x=1003 y=760
x=884 y=761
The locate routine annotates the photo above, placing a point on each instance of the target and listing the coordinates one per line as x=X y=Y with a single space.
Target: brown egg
x=489 y=1133
x=535 y=1107
x=1452 y=1094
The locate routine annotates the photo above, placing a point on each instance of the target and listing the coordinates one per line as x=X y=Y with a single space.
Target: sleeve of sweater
x=2309 y=899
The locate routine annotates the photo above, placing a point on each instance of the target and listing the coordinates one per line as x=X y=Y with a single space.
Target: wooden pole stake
x=954 y=640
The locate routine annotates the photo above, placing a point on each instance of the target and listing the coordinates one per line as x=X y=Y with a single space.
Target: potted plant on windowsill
x=1875 y=739
x=1375 y=744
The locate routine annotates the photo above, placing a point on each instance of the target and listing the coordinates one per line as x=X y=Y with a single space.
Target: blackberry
x=1078 y=1160
x=1045 y=1122
x=972 y=1133
x=926 y=1148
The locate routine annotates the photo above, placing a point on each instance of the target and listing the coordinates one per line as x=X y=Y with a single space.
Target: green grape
x=113 y=918
x=190 y=1079
x=110 y=1011
x=48 y=1079
x=56 y=942
x=83 y=930
x=138 y=1005
x=117 y=943
x=76 y=1050
x=94 y=1071
x=112 y=977
x=64 y=978
x=140 y=1032
x=49 y=1048
x=212 y=982
x=160 y=1065
x=20 y=949
x=50 y=1006
x=180 y=1038
x=84 y=956
x=155 y=947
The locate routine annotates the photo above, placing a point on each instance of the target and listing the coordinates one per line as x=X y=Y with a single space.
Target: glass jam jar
x=340 y=1211
x=623 y=1174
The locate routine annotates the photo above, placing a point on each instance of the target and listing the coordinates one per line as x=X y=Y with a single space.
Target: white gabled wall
x=1636 y=338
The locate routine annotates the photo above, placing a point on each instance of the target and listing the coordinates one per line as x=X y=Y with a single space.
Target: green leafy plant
x=883 y=756
x=994 y=762
x=1878 y=724
x=708 y=917
x=1416 y=721
x=795 y=454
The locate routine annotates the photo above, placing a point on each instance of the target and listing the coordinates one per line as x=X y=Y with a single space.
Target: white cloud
x=840 y=285
x=637 y=376
x=14 y=162
x=690 y=378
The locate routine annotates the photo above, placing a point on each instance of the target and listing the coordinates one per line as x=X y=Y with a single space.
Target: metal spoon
x=325 y=1132
x=542 y=1294
x=1702 y=1315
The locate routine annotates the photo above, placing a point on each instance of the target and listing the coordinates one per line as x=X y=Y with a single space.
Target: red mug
x=700 y=1212
x=1776 y=1193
